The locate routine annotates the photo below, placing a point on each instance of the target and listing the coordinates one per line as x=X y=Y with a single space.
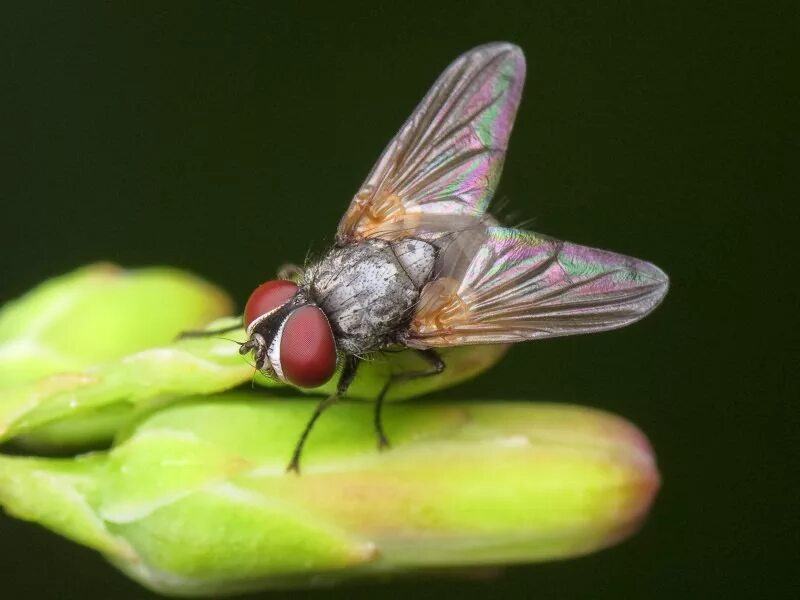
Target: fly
x=418 y=262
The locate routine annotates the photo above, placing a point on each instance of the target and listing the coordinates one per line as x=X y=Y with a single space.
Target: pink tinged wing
x=521 y=286
x=448 y=156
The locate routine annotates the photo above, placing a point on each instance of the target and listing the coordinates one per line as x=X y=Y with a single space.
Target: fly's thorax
x=368 y=289
x=417 y=259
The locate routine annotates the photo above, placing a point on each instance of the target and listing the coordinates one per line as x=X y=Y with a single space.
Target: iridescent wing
x=522 y=286
x=446 y=160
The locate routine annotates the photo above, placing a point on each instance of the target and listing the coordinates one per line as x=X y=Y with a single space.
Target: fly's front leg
x=436 y=366
x=199 y=333
x=345 y=379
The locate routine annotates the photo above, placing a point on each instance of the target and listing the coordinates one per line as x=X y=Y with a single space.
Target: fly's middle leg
x=346 y=378
x=437 y=365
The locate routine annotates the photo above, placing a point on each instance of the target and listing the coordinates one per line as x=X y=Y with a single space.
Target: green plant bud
x=57 y=343
x=84 y=353
x=463 y=363
x=194 y=500
x=99 y=313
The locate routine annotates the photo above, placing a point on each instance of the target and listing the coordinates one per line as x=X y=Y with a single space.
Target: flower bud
x=98 y=313
x=195 y=499
x=74 y=350
x=83 y=353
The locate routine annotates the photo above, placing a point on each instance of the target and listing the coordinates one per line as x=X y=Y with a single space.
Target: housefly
x=418 y=262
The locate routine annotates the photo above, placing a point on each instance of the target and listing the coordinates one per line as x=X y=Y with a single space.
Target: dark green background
x=226 y=138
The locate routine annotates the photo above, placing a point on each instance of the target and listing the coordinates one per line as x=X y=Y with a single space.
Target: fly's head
x=290 y=336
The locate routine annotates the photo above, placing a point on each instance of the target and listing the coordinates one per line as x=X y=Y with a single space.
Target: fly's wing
x=443 y=165
x=522 y=286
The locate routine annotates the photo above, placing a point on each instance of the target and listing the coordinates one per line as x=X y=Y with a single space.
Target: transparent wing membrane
x=447 y=158
x=521 y=286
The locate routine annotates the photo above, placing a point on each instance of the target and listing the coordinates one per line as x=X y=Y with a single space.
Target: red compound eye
x=308 y=350
x=267 y=297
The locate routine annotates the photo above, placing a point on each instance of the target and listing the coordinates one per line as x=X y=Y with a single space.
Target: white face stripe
x=252 y=325
x=274 y=352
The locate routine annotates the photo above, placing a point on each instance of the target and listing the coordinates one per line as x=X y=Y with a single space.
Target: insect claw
x=383 y=443
x=294 y=466
x=290 y=272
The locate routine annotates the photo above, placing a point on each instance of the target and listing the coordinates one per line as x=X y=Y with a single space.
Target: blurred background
x=228 y=138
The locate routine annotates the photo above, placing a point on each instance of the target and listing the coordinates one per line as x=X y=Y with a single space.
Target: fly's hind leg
x=436 y=366
x=345 y=379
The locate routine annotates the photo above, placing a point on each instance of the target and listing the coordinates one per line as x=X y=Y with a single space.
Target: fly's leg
x=286 y=271
x=290 y=272
x=346 y=378
x=199 y=333
x=436 y=366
